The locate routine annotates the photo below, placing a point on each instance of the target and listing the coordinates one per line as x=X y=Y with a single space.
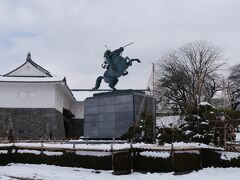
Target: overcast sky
x=67 y=37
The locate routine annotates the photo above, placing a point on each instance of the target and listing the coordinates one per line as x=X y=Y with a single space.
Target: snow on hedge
x=26 y=151
x=93 y=153
x=3 y=151
x=6 y=144
x=167 y=121
x=206 y=104
x=164 y=155
x=190 y=152
x=229 y=155
x=238 y=136
x=51 y=153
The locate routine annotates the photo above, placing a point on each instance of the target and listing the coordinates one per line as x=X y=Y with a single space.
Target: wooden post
x=112 y=157
x=131 y=155
x=225 y=134
x=172 y=155
x=154 y=103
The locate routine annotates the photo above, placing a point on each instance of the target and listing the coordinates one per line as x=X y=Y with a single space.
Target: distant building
x=38 y=104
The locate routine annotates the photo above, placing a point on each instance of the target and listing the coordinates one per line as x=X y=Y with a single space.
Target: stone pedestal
x=108 y=115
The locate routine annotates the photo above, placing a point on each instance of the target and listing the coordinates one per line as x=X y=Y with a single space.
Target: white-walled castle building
x=36 y=104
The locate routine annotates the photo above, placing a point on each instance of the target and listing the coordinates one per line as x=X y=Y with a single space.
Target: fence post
x=112 y=157
x=131 y=155
x=172 y=155
x=74 y=151
x=201 y=163
x=15 y=151
x=42 y=150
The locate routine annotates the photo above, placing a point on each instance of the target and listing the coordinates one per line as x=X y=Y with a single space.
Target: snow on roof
x=29 y=69
x=31 y=79
x=31 y=72
x=28 y=72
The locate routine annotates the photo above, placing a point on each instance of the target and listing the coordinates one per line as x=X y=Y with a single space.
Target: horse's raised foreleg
x=136 y=60
x=131 y=60
x=125 y=73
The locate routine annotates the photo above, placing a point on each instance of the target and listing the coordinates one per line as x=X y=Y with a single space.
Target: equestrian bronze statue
x=116 y=66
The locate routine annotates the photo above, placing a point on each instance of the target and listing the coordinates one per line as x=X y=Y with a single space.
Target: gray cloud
x=67 y=37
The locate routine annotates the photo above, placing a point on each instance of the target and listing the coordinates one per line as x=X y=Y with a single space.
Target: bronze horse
x=116 y=66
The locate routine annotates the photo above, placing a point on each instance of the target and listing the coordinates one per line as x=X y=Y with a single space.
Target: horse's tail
x=98 y=82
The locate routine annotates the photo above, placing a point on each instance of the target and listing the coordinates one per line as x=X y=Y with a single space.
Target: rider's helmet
x=107 y=53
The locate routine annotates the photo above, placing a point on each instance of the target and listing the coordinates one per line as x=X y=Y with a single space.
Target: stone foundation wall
x=32 y=123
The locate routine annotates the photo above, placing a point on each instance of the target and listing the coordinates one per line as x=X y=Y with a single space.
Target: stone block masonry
x=32 y=123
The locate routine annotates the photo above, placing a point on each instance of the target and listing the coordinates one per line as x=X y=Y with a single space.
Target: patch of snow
x=103 y=147
x=6 y=144
x=3 y=151
x=190 y=152
x=31 y=79
x=229 y=155
x=164 y=155
x=24 y=151
x=238 y=136
x=182 y=145
x=93 y=153
x=167 y=121
x=218 y=95
x=197 y=136
x=51 y=153
x=47 y=172
x=187 y=132
x=107 y=147
x=204 y=123
x=205 y=104
x=197 y=116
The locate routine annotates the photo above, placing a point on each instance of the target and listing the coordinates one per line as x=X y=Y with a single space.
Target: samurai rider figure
x=116 y=66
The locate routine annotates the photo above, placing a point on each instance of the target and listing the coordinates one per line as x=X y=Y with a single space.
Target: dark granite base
x=110 y=114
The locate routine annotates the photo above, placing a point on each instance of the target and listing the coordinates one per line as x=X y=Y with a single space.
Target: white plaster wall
x=79 y=110
x=63 y=98
x=27 y=95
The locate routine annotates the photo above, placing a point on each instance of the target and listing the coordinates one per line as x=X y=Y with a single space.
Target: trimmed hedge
x=151 y=164
x=6 y=156
x=94 y=162
x=122 y=163
x=231 y=163
x=210 y=158
x=187 y=161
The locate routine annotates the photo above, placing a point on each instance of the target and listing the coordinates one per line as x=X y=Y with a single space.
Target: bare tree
x=234 y=86
x=188 y=75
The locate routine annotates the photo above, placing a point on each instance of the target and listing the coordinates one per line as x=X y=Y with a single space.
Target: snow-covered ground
x=46 y=172
x=167 y=121
x=238 y=137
